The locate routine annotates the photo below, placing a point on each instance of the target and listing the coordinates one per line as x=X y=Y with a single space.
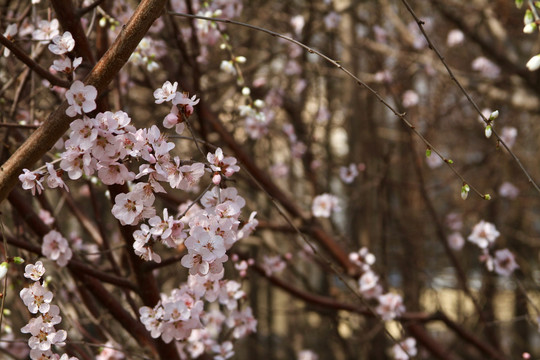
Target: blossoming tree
x=178 y=184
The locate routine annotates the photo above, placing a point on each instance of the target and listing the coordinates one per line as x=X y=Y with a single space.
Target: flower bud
x=3 y=269
x=488 y=131
x=465 y=191
x=534 y=63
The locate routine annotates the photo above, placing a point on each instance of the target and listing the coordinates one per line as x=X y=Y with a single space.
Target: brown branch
x=84 y=273
x=411 y=320
x=105 y=70
x=473 y=340
x=24 y=208
x=34 y=66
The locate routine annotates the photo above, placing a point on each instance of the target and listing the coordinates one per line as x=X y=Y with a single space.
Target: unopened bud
x=465 y=191
x=3 y=269
x=488 y=131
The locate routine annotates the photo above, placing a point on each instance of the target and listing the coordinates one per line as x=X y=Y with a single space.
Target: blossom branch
x=34 y=66
x=432 y=46
x=94 y=286
x=102 y=74
x=401 y=116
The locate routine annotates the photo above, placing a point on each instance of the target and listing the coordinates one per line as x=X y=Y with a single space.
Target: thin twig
x=401 y=116
x=432 y=46
x=21 y=55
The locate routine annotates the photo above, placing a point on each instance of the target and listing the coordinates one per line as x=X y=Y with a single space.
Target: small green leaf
x=519 y=3
x=487 y=197
x=428 y=152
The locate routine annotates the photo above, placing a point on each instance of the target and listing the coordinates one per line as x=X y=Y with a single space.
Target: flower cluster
x=405 y=349
x=181 y=315
x=42 y=327
x=146 y=53
x=182 y=105
x=390 y=305
x=221 y=165
x=209 y=231
x=501 y=261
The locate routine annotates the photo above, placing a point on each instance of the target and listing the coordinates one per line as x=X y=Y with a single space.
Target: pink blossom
x=483 y=234
x=142 y=246
x=505 y=262
x=509 y=135
x=174 y=118
x=508 y=190
x=81 y=98
x=128 y=207
x=486 y=67
x=166 y=93
x=43 y=337
x=114 y=173
x=230 y=293
x=363 y=259
x=76 y=162
x=405 y=349
x=54 y=180
x=65 y=65
x=410 y=98
x=434 y=161
x=34 y=271
x=221 y=165
x=349 y=173
x=307 y=355
x=323 y=205
x=390 y=306
x=368 y=281
x=46 y=31
x=185 y=102
x=455 y=37
x=331 y=21
x=55 y=247
x=195 y=263
x=242 y=322
x=273 y=264
x=31 y=181
x=46 y=217
x=109 y=353
x=10 y=32
x=223 y=351
x=36 y=298
x=454 y=221
x=456 y=241
x=297 y=23
x=62 y=44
